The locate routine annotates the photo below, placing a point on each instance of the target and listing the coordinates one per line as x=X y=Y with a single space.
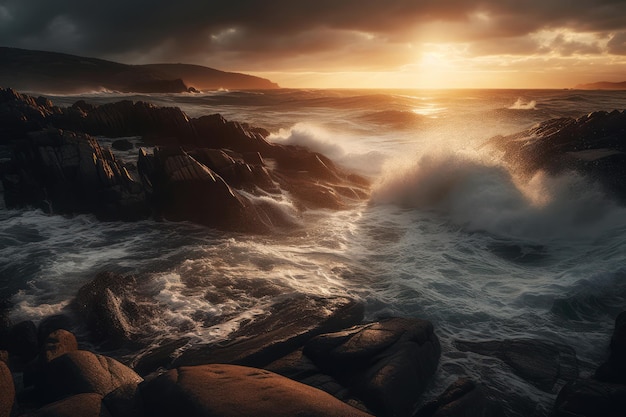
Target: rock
x=84 y=372
x=216 y=132
x=614 y=370
x=20 y=113
x=287 y=326
x=4 y=356
x=185 y=189
x=587 y=398
x=122 y=145
x=463 y=398
x=7 y=391
x=58 y=343
x=124 y=401
x=160 y=356
x=65 y=172
x=229 y=390
x=591 y=145
x=81 y=405
x=113 y=309
x=23 y=341
x=386 y=364
x=546 y=365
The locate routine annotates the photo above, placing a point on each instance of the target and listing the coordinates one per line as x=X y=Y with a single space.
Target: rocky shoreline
x=314 y=357
x=309 y=355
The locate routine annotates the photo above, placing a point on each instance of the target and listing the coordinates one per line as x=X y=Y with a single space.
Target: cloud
x=287 y=34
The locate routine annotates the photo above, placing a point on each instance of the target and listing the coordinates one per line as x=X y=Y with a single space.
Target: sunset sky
x=342 y=43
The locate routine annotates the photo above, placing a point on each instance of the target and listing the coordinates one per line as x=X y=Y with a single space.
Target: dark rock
x=228 y=390
x=592 y=145
x=83 y=372
x=7 y=390
x=5 y=329
x=589 y=398
x=4 y=356
x=185 y=189
x=20 y=114
x=122 y=145
x=386 y=364
x=81 y=405
x=58 y=343
x=159 y=357
x=113 y=309
x=216 y=132
x=614 y=370
x=287 y=326
x=64 y=172
x=300 y=368
x=545 y=364
x=124 y=401
x=463 y=398
x=23 y=341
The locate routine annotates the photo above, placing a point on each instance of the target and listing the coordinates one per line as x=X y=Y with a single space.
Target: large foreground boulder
x=228 y=390
x=80 y=405
x=80 y=372
x=386 y=364
x=545 y=364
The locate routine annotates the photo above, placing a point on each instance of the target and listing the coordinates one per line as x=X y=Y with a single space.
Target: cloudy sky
x=342 y=43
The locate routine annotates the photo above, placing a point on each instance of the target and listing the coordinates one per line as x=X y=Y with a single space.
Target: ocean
x=449 y=234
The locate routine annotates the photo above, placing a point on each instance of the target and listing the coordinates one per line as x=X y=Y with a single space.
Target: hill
x=54 y=72
x=602 y=85
x=204 y=78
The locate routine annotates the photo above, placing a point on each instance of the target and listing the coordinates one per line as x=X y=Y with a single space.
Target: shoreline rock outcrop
x=592 y=145
x=207 y=170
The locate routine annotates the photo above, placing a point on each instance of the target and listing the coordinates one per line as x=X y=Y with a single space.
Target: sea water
x=449 y=233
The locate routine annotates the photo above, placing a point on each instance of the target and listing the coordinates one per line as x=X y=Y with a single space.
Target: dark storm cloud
x=234 y=32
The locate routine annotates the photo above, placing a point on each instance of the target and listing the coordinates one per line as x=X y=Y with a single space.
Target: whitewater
x=449 y=233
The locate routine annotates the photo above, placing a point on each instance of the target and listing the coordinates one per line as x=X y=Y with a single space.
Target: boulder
x=20 y=113
x=614 y=369
x=81 y=405
x=287 y=326
x=113 y=309
x=7 y=391
x=590 y=398
x=58 y=343
x=229 y=390
x=23 y=341
x=463 y=398
x=386 y=364
x=124 y=401
x=545 y=364
x=83 y=372
x=591 y=145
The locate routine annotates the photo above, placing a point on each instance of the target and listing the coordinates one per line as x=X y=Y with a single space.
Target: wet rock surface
x=463 y=398
x=229 y=390
x=207 y=170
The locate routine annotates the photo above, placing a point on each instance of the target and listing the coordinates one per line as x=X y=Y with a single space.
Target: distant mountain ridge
x=54 y=72
x=603 y=85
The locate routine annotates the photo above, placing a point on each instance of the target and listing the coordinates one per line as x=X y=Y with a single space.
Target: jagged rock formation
x=206 y=170
x=593 y=145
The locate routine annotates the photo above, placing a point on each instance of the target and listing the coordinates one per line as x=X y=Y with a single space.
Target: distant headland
x=602 y=85
x=62 y=73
